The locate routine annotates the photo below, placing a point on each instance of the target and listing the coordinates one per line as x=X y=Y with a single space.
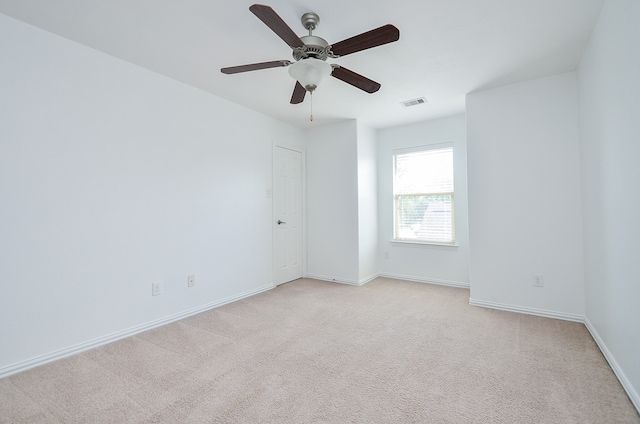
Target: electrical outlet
x=156 y=288
x=191 y=281
x=538 y=280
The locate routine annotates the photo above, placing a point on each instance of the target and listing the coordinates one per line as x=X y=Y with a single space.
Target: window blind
x=424 y=196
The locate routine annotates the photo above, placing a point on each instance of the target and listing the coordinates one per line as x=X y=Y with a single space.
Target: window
x=423 y=194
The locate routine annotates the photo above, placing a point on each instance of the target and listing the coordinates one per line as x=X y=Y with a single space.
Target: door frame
x=300 y=148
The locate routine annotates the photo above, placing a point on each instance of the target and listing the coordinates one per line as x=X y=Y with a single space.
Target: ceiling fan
x=310 y=53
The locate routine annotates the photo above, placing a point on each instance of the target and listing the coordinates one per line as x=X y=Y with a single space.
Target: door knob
x=281 y=222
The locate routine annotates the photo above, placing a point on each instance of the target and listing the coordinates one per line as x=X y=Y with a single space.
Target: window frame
x=416 y=149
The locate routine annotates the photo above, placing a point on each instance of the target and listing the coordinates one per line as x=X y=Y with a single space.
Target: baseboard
x=73 y=350
x=365 y=280
x=360 y=282
x=388 y=275
x=334 y=279
x=622 y=378
x=62 y=353
x=425 y=280
x=525 y=310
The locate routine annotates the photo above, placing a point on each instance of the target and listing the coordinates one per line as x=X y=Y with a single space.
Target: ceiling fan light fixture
x=310 y=72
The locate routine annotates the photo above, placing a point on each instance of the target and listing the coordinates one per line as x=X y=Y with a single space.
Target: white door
x=287 y=194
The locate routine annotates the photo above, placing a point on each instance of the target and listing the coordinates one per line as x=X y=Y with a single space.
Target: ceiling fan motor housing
x=314 y=47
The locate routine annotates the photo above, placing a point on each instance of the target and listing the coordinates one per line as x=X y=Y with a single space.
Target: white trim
x=425 y=280
x=422 y=148
x=365 y=280
x=413 y=151
x=100 y=341
x=63 y=353
x=335 y=280
x=300 y=148
x=525 y=310
x=624 y=381
x=410 y=243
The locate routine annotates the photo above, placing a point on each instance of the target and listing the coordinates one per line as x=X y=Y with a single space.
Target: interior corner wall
x=525 y=214
x=113 y=177
x=609 y=104
x=332 y=203
x=427 y=263
x=367 y=203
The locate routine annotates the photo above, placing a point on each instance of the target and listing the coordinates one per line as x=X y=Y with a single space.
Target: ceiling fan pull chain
x=311 y=99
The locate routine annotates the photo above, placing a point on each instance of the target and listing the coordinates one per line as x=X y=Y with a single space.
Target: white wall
x=367 y=203
x=440 y=264
x=332 y=203
x=112 y=177
x=609 y=101
x=524 y=197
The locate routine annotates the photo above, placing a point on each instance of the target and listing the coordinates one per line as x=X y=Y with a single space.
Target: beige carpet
x=309 y=351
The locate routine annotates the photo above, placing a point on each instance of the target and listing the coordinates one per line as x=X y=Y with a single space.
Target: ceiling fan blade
x=374 y=38
x=298 y=94
x=271 y=19
x=357 y=80
x=255 y=66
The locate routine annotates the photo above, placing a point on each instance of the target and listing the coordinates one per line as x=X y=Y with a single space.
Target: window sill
x=409 y=243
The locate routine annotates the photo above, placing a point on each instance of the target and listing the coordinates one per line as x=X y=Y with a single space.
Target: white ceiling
x=447 y=48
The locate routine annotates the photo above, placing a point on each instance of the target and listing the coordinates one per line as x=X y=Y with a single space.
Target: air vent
x=414 y=102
